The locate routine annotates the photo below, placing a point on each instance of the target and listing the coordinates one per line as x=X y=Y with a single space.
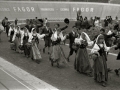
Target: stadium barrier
x=56 y=10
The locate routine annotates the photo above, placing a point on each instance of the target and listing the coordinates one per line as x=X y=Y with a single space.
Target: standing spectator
x=3 y=22
x=7 y=28
x=106 y=22
x=116 y=23
x=6 y=22
x=16 y=21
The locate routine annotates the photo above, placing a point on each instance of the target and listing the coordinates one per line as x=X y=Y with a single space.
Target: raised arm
x=63 y=28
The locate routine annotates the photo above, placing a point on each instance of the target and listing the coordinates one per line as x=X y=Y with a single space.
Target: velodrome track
x=12 y=64
x=64 y=78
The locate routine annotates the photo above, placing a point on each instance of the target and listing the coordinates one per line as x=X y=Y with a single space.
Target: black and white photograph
x=59 y=44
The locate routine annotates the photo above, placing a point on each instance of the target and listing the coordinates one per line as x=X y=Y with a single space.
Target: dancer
x=11 y=32
x=82 y=63
x=100 y=57
x=72 y=35
x=16 y=38
x=24 y=42
x=34 y=40
x=48 y=33
x=57 y=55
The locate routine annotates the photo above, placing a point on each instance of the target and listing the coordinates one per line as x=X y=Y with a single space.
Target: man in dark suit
x=47 y=30
x=106 y=21
x=72 y=35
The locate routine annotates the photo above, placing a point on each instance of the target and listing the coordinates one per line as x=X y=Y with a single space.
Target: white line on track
x=15 y=79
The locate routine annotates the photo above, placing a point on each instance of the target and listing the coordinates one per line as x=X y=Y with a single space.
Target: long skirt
x=35 y=53
x=58 y=55
x=27 y=48
x=17 y=43
x=82 y=63
x=100 y=69
x=11 y=36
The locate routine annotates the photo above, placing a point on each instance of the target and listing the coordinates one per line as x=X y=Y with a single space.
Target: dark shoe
x=37 y=61
x=32 y=58
x=109 y=70
x=103 y=84
x=117 y=72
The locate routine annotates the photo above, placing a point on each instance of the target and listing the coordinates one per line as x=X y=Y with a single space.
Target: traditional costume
x=17 y=38
x=11 y=32
x=82 y=63
x=24 y=42
x=72 y=35
x=34 y=40
x=100 y=57
x=48 y=33
x=57 y=55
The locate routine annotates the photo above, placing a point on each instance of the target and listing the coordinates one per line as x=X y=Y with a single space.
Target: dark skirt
x=26 y=47
x=58 y=55
x=47 y=42
x=35 y=53
x=17 y=43
x=100 y=69
x=82 y=63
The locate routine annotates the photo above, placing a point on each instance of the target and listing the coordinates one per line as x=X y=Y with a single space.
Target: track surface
x=64 y=78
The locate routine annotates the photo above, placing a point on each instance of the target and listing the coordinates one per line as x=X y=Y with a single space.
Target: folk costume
x=82 y=63
x=34 y=40
x=48 y=33
x=11 y=32
x=57 y=55
x=71 y=36
x=24 y=42
x=99 y=52
x=17 y=38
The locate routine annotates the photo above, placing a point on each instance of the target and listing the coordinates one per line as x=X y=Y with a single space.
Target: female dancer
x=82 y=63
x=11 y=32
x=34 y=40
x=16 y=38
x=99 y=56
x=57 y=55
x=24 y=42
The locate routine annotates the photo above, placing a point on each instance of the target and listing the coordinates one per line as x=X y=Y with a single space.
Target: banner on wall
x=56 y=10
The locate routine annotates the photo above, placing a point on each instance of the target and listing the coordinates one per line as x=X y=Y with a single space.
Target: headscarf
x=96 y=47
x=87 y=38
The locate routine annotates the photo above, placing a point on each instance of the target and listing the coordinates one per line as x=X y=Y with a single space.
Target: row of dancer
x=23 y=40
x=82 y=63
x=78 y=42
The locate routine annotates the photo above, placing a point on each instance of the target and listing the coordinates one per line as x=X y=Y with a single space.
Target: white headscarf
x=78 y=40
x=96 y=48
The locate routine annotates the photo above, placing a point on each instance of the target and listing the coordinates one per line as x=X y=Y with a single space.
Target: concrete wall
x=56 y=10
